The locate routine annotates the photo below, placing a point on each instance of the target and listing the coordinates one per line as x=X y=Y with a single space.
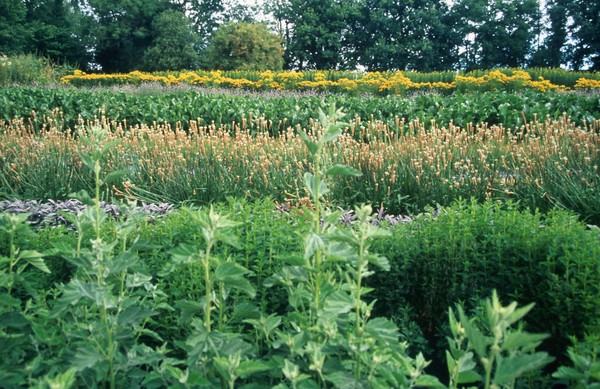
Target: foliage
x=469 y=249
x=506 y=352
x=244 y=46
x=30 y=70
x=585 y=369
x=406 y=166
x=173 y=46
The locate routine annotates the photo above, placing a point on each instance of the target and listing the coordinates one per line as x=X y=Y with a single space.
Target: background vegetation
x=376 y=35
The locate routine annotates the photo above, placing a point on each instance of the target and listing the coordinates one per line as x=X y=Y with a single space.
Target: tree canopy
x=426 y=35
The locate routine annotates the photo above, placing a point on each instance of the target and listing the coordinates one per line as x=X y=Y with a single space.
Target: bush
x=469 y=249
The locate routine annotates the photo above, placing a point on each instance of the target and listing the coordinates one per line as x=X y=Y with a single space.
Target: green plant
x=503 y=353
x=334 y=339
x=107 y=304
x=585 y=359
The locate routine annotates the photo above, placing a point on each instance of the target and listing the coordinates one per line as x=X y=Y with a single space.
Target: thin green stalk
x=207 y=285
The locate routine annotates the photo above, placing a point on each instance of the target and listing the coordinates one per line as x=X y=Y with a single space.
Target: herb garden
x=301 y=230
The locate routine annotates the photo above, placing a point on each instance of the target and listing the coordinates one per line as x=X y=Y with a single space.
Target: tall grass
x=29 y=69
x=542 y=164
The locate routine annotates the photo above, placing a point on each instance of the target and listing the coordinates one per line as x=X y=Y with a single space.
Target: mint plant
x=107 y=304
x=330 y=338
x=491 y=352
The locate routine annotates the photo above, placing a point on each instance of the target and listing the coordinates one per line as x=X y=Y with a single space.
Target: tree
x=317 y=32
x=123 y=31
x=208 y=15
x=55 y=31
x=584 y=49
x=400 y=34
x=496 y=33
x=174 y=44
x=244 y=46
x=13 y=34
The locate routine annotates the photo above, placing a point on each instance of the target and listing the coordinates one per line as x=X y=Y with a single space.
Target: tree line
x=376 y=35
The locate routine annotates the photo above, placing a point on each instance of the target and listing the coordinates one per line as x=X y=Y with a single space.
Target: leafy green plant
x=107 y=304
x=585 y=359
x=335 y=341
x=503 y=353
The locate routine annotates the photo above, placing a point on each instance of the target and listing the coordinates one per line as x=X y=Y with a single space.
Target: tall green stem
x=207 y=286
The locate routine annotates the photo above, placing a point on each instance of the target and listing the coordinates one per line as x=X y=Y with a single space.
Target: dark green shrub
x=469 y=249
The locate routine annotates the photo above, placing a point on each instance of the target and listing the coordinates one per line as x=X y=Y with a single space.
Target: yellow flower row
x=352 y=82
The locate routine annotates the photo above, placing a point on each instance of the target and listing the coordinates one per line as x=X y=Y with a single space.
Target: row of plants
x=542 y=164
x=179 y=106
x=378 y=83
x=242 y=295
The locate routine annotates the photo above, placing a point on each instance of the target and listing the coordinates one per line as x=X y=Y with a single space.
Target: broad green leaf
x=343 y=379
x=332 y=133
x=429 y=381
x=467 y=377
x=122 y=262
x=133 y=314
x=86 y=357
x=343 y=170
x=338 y=303
x=35 y=259
x=249 y=368
x=522 y=340
x=476 y=339
x=232 y=275
x=87 y=160
x=312 y=147
x=189 y=308
x=228 y=238
x=310 y=183
x=512 y=367
x=83 y=196
x=383 y=330
x=113 y=176
x=312 y=243
x=185 y=254
x=379 y=260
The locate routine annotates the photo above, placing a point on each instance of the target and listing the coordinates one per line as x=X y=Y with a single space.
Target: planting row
x=542 y=164
x=275 y=111
x=339 y=82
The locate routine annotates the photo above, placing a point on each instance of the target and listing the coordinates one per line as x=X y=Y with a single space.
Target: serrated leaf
x=338 y=303
x=343 y=170
x=35 y=259
x=512 y=367
x=232 y=275
x=122 y=262
x=86 y=357
x=133 y=314
x=189 y=308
